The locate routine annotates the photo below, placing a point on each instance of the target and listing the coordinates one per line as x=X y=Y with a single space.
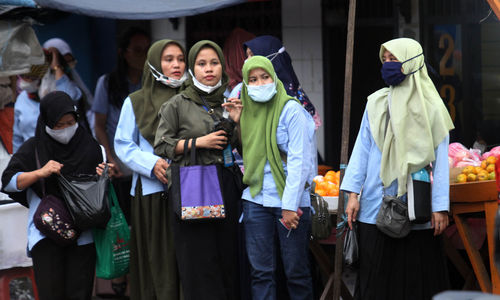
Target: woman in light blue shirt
x=405 y=128
x=277 y=136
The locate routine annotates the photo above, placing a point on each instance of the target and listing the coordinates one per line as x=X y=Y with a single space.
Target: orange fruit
x=471 y=177
x=491 y=160
x=331 y=187
x=468 y=169
x=484 y=164
x=477 y=170
x=318 y=179
x=490 y=168
x=331 y=172
x=335 y=193
x=330 y=177
x=320 y=192
x=461 y=178
x=482 y=176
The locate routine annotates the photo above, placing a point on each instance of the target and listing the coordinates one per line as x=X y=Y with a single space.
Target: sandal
x=119 y=288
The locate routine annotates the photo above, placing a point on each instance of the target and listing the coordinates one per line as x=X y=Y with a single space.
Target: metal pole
x=345 y=142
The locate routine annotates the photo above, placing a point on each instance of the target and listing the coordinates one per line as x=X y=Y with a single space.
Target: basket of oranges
x=328 y=187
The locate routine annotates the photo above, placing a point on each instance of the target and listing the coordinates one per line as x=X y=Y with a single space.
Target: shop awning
x=136 y=9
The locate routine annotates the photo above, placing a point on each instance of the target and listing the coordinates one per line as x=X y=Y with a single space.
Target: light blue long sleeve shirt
x=295 y=136
x=34 y=235
x=363 y=173
x=136 y=152
x=26 y=111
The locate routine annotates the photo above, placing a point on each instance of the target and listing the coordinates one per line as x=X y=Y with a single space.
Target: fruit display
x=485 y=171
x=327 y=185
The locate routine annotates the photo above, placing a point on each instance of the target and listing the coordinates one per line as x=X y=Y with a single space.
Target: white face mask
x=64 y=135
x=261 y=93
x=206 y=88
x=171 y=82
x=273 y=55
x=28 y=86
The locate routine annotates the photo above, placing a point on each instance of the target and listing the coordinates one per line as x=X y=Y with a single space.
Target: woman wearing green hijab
x=405 y=128
x=153 y=271
x=279 y=156
x=207 y=252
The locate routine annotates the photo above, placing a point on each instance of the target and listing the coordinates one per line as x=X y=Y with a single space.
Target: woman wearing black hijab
x=62 y=147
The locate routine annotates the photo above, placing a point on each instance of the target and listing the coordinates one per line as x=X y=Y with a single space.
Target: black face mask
x=392 y=74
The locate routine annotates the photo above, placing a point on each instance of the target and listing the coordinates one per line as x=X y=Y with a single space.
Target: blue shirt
x=34 y=235
x=363 y=173
x=102 y=105
x=136 y=152
x=26 y=111
x=295 y=136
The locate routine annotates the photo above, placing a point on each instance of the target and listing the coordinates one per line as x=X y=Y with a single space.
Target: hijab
x=419 y=121
x=147 y=101
x=258 y=123
x=235 y=55
x=215 y=98
x=80 y=156
x=268 y=46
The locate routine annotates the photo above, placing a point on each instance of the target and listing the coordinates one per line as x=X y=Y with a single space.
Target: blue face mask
x=261 y=93
x=392 y=74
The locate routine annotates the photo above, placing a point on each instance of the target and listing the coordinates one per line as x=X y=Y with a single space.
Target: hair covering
x=64 y=49
x=235 y=55
x=419 y=121
x=267 y=45
x=215 y=98
x=258 y=123
x=80 y=156
x=147 y=101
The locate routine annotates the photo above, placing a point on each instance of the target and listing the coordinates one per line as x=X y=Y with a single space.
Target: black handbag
x=321 y=223
x=87 y=199
x=392 y=218
x=351 y=251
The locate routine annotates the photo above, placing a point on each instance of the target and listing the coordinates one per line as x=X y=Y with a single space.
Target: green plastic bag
x=112 y=243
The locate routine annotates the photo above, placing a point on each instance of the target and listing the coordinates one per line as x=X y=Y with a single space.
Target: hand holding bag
x=112 y=243
x=351 y=251
x=196 y=191
x=53 y=219
x=87 y=199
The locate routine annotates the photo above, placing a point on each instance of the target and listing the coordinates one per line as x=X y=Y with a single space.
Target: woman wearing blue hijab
x=272 y=48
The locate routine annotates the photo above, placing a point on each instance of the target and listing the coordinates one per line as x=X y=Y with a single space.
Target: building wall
x=301 y=21
x=164 y=29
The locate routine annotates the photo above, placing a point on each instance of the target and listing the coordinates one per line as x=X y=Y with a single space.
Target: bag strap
x=192 y=159
x=38 y=167
x=387 y=118
x=209 y=110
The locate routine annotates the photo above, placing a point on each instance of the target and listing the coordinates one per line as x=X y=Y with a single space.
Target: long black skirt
x=413 y=267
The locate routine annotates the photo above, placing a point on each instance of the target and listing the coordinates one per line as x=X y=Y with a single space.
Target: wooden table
x=474 y=197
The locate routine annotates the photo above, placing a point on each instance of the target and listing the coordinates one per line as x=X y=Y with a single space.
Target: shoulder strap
x=39 y=167
x=209 y=110
x=193 y=151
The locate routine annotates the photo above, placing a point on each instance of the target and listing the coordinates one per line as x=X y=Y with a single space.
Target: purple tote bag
x=196 y=190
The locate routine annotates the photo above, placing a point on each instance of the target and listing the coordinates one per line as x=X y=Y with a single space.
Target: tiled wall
x=301 y=21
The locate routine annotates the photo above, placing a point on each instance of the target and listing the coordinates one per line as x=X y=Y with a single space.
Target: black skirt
x=413 y=267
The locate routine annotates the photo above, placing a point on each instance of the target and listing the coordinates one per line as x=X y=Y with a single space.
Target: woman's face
x=388 y=56
x=259 y=76
x=136 y=52
x=249 y=53
x=173 y=63
x=66 y=121
x=207 y=67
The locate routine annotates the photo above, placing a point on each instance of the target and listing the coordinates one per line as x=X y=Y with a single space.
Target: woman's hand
x=51 y=167
x=214 y=140
x=160 y=170
x=234 y=108
x=439 y=221
x=290 y=218
x=116 y=171
x=352 y=208
x=111 y=169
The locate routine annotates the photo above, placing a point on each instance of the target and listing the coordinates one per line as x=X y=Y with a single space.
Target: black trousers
x=64 y=273
x=207 y=251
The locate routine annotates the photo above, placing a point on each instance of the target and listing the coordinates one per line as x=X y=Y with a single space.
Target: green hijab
x=215 y=98
x=147 y=101
x=259 y=122
x=419 y=121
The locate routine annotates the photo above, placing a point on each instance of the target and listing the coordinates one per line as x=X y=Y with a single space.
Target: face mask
x=392 y=74
x=206 y=88
x=64 y=135
x=273 y=55
x=28 y=86
x=261 y=93
x=171 y=82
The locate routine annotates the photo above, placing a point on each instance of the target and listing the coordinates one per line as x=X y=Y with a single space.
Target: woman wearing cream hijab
x=383 y=158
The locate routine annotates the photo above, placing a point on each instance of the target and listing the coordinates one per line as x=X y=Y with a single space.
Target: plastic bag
x=87 y=199
x=321 y=224
x=351 y=253
x=112 y=243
